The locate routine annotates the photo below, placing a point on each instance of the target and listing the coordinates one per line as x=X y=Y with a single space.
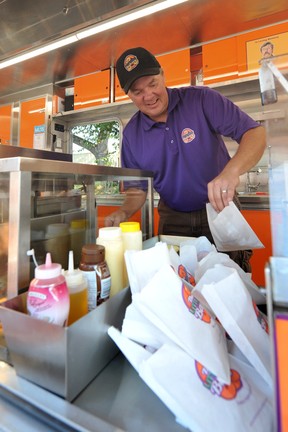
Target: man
x=266 y=50
x=177 y=134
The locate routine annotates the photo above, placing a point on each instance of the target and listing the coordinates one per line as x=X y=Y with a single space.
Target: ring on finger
x=224 y=190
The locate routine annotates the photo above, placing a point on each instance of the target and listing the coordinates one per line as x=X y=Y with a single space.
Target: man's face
x=267 y=51
x=150 y=96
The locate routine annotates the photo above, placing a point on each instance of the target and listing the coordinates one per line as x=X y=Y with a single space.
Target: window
x=97 y=143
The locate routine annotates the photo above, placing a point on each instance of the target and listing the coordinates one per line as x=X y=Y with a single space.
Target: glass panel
x=60 y=213
x=56 y=207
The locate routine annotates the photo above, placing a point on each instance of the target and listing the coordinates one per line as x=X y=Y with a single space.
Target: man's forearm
x=250 y=151
x=222 y=188
x=134 y=200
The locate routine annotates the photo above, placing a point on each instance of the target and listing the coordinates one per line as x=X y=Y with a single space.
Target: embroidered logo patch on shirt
x=130 y=62
x=187 y=135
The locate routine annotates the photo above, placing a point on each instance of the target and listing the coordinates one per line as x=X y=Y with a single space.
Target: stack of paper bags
x=203 y=348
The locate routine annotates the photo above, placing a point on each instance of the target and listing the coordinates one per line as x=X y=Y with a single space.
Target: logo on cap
x=130 y=62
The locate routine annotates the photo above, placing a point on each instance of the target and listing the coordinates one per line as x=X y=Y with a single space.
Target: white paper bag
x=201 y=401
x=142 y=265
x=188 y=257
x=202 y=245
x=139 y=329
x=167 y=303
x=174 y=259
x=245 y=324
x=191 y=251
x=134 y=353
x=214 y=259
x=230 y=230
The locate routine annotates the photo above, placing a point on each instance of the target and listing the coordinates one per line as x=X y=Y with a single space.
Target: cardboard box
x=63 y=360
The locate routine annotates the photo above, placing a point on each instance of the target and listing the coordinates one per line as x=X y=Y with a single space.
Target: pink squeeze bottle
x=48 y=295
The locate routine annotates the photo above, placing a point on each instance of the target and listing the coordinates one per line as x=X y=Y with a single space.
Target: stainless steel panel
x=63 y=168
x=62 y=359
x=14 y=151
x=253 y=201
x=19 y=231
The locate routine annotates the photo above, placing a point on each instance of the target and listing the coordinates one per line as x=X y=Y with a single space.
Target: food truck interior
x=57 y=77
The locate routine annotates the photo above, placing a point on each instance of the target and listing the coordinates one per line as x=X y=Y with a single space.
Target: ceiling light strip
x=38 y=51
x=98 y=28
x=140 y=13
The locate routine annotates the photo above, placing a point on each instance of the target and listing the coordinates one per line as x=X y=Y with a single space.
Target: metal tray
x=63 y=360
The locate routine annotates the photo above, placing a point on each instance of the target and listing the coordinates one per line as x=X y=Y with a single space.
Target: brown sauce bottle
x=97 y=274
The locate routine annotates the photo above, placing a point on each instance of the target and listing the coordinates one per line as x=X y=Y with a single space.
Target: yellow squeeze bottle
x=132 y=240
x=78 y=291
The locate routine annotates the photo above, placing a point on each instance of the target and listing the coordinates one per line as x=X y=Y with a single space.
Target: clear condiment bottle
x=78 y=291
x=132 y=240
x=96 y=271
x=111 y=239
x=48 y=295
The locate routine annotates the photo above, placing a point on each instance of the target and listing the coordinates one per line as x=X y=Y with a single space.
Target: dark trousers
x=195 y=224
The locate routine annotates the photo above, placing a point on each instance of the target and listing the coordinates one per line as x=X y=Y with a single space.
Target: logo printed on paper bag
x=184 y=274
x=187 y=135
x=194 y=306
x=212 y=384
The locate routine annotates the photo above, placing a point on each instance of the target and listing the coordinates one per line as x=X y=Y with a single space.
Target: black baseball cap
x=135 y=63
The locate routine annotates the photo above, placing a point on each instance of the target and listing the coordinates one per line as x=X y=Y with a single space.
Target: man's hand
x=221 y=191
x=134 y=200
x=114 y=219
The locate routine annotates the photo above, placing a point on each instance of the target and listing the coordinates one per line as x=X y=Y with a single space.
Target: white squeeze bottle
x=48 y=295
x=132 y=240
x=78 y=291
x=111 y=239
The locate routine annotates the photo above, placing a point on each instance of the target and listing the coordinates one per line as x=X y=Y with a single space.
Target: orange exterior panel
x=120 y=95
x=176 y=68
x=227 y=59
x=281 y=348
x=257 y=34
x=92 y=90
x=220 y=61
x=5 y=124
x=32 y=113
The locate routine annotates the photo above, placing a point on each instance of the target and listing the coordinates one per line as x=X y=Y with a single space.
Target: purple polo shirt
x=187 y=151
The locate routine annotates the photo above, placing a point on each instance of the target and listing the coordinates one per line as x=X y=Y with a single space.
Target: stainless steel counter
x=248 y=200
x=254 y=201
x=116 y=400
